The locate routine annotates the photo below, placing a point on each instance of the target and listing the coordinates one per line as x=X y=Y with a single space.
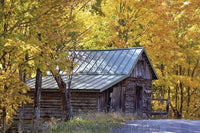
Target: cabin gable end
x=143 y=68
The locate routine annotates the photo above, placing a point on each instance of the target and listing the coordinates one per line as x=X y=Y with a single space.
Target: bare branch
x=66 y=42
x=83 y=6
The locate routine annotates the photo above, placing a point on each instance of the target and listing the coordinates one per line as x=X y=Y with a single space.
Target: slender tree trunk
x=188 y=100
x=195 y=67
x=176 y=96
x=37 y=97
x=69 y=96
x=188 y=92
x=22 y=76
x=4 y=111
x=4 y=120
x=181 y=106
x=3 y=108
x=181 y=102
x=176 y=113
x=169 y=91
x=69 y=106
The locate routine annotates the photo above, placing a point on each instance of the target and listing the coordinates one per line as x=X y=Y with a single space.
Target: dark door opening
x=109 y=99
x=138 y=100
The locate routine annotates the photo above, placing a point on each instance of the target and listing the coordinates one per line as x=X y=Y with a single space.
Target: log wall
x=120 y=97
x=84 y=101
x=124 y=93
x=50 y=106
x=130 y=92
x=141 y=76
x=103 y=101
x=51 y=103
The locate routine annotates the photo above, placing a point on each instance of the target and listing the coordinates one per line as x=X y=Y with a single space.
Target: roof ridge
x=95 y=74
x=110 y=49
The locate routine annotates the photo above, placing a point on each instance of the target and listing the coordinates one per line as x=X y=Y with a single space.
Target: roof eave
x=155 y=77
x=113 y=83
x=72 y=90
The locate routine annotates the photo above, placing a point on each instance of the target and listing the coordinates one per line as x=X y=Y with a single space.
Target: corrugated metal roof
x=116 y=61
x=93 y=82
x=98 y=69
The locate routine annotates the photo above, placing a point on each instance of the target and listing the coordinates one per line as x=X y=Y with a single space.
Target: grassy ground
x=88 y=123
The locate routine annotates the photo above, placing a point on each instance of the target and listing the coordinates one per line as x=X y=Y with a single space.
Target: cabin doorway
x=138 y=100
x=109 y=97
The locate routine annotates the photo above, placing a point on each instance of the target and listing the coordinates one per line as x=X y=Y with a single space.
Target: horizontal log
x=84 y=101
x=84 y=95
x=44 y=106
x=50 y=100
x=84 y=105
x=159 y=99
x=159 y=113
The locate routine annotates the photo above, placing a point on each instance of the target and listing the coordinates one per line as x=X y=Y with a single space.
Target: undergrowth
x=88 y=123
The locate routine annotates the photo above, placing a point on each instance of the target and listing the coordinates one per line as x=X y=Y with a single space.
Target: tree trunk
x=37 y=97
x=176 y=113
x=169 y=91
x=4 y=120
x=64 y=91
x=65 y=96
x=195 y=67
x=181 y=106
x=3 y=108
x=188 y=99
x=188 y=92
x=22 y=76
x=176 y=96
x=181 y=87
x=69 y=96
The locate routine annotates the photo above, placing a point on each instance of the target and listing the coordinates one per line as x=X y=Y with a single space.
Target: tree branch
x=195 y=67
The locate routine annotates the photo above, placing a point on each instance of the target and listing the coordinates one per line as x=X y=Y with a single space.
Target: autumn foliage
x=35 y=34
x=169 y=31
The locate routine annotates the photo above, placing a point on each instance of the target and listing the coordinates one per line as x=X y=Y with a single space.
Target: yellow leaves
x=129 y=20
x=2 y=72
x=23 y=43
x=175 y=44
x=9 y=42
x=24 y=90
x=11 y=89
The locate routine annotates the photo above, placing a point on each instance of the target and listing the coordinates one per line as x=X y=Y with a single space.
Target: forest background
x=34 y=34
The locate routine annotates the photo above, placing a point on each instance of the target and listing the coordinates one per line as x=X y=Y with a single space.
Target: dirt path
x=160 y=126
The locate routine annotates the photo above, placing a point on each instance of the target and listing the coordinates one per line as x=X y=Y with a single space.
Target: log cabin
x=107 y=80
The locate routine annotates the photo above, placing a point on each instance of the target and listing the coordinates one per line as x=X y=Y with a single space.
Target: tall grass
x=88 y=123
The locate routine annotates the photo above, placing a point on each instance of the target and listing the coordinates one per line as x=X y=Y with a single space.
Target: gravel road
x=160 y=126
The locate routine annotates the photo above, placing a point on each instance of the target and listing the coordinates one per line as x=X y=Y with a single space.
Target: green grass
x=89 y=123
